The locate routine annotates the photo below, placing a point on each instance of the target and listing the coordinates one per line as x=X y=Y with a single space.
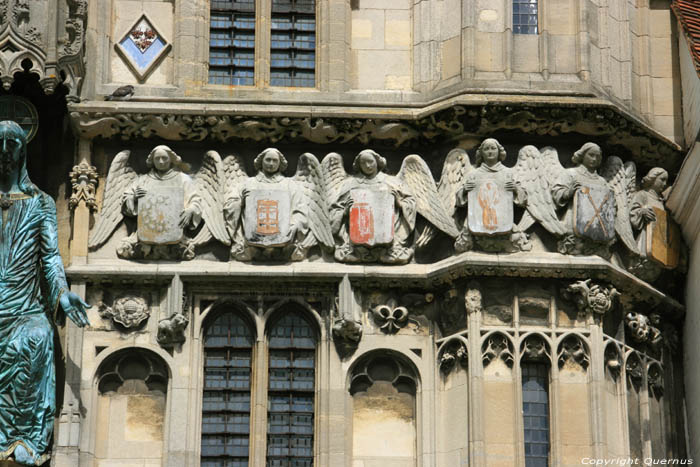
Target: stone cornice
x=436 y=275
x=449 y=119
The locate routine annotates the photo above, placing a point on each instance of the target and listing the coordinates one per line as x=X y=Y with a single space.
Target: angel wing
x=119 y=178
x=537 y=171
x=208 y=184
x=334 y=175
x=454 y=173
x=621 y=178
x=415 y=173
x=233 y=174
x=310 y=178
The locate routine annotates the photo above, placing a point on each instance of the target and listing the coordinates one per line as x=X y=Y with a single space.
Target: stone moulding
x=408 y=128
x=428 y=276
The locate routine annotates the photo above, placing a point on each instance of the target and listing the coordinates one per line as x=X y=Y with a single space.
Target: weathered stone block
x=451 y=57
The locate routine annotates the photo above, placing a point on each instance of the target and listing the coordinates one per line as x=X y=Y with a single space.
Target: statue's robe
x=234 y=207
x=561 y=191
x=32 y=280
x=404 y=206
x=642 y=199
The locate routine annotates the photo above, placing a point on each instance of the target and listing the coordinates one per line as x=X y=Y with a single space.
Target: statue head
x=590 y=156
x=490 y=152
x=162 y=159
x=13 y=155
x=270 y=161
x=368 y=163
x=656 y=179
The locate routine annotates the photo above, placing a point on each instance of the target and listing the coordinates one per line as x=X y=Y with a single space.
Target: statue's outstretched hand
x=75 y=307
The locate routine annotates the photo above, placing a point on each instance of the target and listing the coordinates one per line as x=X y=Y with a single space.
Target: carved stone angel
x=373 y=214
x=489 y=191
x=596 y=206
x=658 y=237
x=166 y=202
x=273 y=215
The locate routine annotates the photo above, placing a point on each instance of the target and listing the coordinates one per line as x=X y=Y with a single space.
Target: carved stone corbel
x=347 y=331
x=641 y=329
x=83 y=179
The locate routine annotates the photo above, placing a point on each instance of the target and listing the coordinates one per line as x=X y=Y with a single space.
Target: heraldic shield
x=266 y=218
x=490 y=208
x=594 y=213
x=371 y=217
x=663 y=242
x=158 y=221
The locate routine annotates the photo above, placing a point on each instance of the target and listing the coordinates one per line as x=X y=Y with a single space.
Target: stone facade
x=425 y=327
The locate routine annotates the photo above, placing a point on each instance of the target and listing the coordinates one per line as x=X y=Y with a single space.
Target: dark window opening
x=535 y=378
x=525 y=17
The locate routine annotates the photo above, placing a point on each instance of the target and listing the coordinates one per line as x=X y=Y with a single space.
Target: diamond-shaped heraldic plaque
x=142 y=47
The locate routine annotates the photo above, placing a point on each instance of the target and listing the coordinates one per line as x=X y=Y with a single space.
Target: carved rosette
x=83 y=179
x=591 y=298
x=129 y=311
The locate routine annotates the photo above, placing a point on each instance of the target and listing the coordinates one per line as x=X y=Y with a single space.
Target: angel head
x=368 y=163
x=590 y=156
x=490 y=152
x=162 y=159
x=656 y=179
x=270 y=161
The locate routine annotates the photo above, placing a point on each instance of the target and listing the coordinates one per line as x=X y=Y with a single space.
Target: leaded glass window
x=525 y=17
x=226 y=407
x=290 y=412
x=535 y=377
x=232 y=42
x=293 y=43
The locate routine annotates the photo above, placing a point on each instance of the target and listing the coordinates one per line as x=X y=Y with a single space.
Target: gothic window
x=535 y=380
x=525 y=17
x=290 y=398
x=226 y=406
x=232 y=42
x=292 y=38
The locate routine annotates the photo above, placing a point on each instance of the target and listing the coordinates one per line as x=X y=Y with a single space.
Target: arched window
x=290 y=413
x=228 y=343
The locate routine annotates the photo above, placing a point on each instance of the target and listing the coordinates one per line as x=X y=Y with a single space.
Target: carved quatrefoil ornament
x=142 y=47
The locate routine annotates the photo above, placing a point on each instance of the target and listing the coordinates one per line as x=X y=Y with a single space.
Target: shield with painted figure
x=594 y=213
x=266 y=219
x=371 y=217
x=159 y=210
x=490 y=208
x=663 y=242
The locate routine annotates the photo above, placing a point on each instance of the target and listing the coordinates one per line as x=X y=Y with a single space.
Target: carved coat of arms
x=594 y=213
x=159 y=215
x=490 y=208
x=267 y=218
x=663 y=240
x=371 y=217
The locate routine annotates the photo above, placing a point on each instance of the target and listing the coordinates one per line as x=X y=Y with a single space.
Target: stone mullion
x=597 y=389
x=554 y=410
x=263 y=23
x=477 y=428
x=322 y=405
x=508 y=40
x=468 y=39
x=258 y=435
x=583 y=40
x=644 y=417
x=543 y=39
